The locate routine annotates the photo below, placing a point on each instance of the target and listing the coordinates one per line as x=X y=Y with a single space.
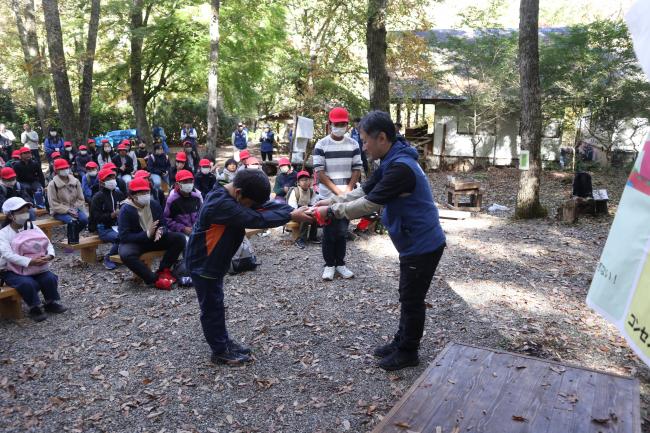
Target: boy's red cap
x=91 y=164
x=204 y=163
x=141 y=174
x=61 y=164
x=181 y=157
x=283 y=161
x=303 y=173
x=184 y=175
x=339 y=114
x=139 y=184
x=104 y=173
x=7 y=173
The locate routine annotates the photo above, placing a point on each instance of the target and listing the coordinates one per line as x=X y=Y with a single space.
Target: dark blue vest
x=240 y=140
x=412 y=220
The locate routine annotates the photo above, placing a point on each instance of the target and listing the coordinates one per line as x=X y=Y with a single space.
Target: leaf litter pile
x=129 y=359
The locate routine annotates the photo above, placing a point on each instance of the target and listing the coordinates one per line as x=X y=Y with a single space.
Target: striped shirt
x=338 y=159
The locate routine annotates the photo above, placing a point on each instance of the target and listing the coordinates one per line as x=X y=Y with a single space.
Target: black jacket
x=102 y=205
x=117 y=160
x=28 y=173
x=204 y=182
x=7 y=192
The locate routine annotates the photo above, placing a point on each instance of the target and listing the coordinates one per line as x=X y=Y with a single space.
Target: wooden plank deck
x=470 y=389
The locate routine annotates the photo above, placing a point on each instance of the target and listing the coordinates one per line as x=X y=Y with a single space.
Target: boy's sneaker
x=399 y=359
x=37 y=314
x=166 y=274
x=230 y=357
x=55 y=307
x=385 y=350
x=328 y=273
x=163 y=284
x=108 y=264
x=344 y=272
x=233 y=346
x=300 y=243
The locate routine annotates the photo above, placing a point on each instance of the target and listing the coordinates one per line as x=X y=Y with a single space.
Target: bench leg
x=10 y=307
x=88 y=255
x=48 y=232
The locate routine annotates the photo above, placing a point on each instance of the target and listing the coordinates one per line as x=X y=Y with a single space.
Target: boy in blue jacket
x=226 y=214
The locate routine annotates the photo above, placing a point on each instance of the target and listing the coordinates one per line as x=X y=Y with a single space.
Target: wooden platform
x=470 y=389
x=87 y=248
x=10 y=303
x=47 y=224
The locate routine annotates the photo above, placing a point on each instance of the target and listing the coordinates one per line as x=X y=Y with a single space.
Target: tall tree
x=59 y=69
x=376 y=53
x=528 y=205
x=138 y=100
x=34 y=60
x=85 y=93
x=213 y=76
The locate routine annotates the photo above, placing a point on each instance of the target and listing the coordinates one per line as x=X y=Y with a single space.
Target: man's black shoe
x=55 y=307
x=399 y=359
x=37 y=314
x=233 y=346
x=229 y=357
x=385 y=350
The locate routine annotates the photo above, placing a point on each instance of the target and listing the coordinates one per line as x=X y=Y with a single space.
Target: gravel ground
x=130 y=359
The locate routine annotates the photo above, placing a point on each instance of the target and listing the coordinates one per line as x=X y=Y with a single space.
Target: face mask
x=107 y=149
x=21 y=218
x=142 y=146
x=159 y=152
x=9 y=183
x=53 y=134
x=187 y=187
x=254 y=167
x=284 y=169
x=64 y=173
x=338 y=131
x=84 y=152
x=180 y=166
x=68 y=149
x=143 y=200
x=110 y=184
x=205 y=170
x=92 y=173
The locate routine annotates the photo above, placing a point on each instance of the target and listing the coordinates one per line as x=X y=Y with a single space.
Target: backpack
x=29 y=243
x=582 y=185
x=244 y=258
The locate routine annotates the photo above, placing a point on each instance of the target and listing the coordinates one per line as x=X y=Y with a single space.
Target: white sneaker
x=328 y=273
x=344 y=272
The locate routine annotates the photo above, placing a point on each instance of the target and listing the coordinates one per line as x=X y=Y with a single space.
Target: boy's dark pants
x=209 y=291
x=308 y=231
x=416 y=273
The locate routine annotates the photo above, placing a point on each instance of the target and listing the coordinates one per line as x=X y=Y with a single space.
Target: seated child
x=81 y=160
x=142 y=229
x=9 y=187
x=285 y=180
x=124 y=163
x=67 y=203
x=205 y=179
x=104 y=209
x=157 y=194
x=183 y=204
x=27 y=272
x=89 y=181
x=158 y=165
x=299 y=196
x=227 y=173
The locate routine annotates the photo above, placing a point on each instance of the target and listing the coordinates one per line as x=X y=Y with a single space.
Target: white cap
x=12 y=204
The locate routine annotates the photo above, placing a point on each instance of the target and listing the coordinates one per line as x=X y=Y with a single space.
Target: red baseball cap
x=61 y=164
x=181 y=157
x=67 y=143
x=90 y=140
x=122 y=146
x=125 y=141
x=252 y=160
x=244 y=154
x=104 y=173
x=110 y=166
x=141 y=174
x=91 y=164
x=82 y=147
x=283 y=161
x=7 y=173
x=56 y=155
x=204 y=163
x=139 y=184
x=338 y=115
x=105 y=140
x=24 y=150
x=184 y=175
x=303 y=173
x=15 y=154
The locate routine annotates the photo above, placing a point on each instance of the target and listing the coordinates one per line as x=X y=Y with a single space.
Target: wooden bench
x=10 y=303
x=87 y=248
x=472 y=389
x=38 y=212
x=294 y=228
x=147 y=258
x=47 y=224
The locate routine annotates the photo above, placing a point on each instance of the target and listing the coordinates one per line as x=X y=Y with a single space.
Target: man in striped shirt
x=337 y=160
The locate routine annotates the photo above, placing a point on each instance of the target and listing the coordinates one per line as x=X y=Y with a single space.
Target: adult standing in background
x=7 y=139
x=29 y=138
x=267 y=141
x=239 y=140
x=337 y=161
x=188 y=133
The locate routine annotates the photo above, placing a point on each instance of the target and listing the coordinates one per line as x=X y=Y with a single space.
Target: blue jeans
x=29 y=285
x=335 y=242
x=67 y=218
x=209 y=292
x=157 y=180
x=109 y=235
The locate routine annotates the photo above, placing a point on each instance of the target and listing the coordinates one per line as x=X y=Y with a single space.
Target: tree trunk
x=85 y=94
x=376 y=53
x=213 y=76
x=138 y=101
x=59 y=69
x=528 y=205
x=34 y=62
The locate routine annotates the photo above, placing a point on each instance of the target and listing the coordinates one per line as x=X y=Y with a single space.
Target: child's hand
x=325 y=202
x=301 y=215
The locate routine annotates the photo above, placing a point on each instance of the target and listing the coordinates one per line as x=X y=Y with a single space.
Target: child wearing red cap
x=285 y=180
x=104 y=209
x=9 y=187
x=205 y=179
x=142 y=229
x=124 y=163
x=90 y=181
x=303 y=195
x=67 y=202
x=82 y=158
x=183 y=204
x=30 y=177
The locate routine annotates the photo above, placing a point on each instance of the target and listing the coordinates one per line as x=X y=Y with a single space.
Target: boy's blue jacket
x=221 y=228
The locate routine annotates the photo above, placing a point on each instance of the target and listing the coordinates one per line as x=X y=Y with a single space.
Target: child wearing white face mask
x=82 y=158
x=205 y=179
x=9 y=188
x=285 y=180
x=90 y=181
x=104 y=209
x=67 y=202
x=183 y=204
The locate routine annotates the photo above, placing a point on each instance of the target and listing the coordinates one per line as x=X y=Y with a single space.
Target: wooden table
x=470 y=389
x=457 y=189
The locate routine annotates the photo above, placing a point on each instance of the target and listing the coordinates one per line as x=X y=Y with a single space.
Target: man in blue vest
x=411 y=217
x=239 y=140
